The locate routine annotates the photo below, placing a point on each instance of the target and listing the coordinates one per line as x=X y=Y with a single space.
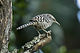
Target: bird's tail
x=26 y=25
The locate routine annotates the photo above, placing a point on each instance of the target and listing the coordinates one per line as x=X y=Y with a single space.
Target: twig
x=37 y=42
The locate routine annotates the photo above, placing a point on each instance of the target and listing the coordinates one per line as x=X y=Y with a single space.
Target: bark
x=5 y=24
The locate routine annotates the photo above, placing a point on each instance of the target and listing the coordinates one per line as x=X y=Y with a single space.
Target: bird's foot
x=48 y=33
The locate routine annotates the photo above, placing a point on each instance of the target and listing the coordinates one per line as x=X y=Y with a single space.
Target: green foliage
x=62 y=49
x=11 y=44
x=47 y=49
x=11 y=47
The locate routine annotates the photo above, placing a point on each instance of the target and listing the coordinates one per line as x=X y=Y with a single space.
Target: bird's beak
x=57 y=22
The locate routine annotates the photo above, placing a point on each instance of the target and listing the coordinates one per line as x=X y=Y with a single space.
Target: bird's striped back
x=43 y=18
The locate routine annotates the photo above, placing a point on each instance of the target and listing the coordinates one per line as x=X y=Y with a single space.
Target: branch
x=37 y=42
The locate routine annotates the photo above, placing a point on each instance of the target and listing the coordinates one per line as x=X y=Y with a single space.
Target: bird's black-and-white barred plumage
x=42 y=21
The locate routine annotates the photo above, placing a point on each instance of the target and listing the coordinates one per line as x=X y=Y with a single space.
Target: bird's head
x=53 y=19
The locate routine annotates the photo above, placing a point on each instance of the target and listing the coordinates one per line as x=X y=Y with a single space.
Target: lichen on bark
x=5 y=24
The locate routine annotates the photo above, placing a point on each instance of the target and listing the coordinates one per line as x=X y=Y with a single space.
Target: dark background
x=66 y=38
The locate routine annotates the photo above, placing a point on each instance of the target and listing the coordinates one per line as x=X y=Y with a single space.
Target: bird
x=40 y=22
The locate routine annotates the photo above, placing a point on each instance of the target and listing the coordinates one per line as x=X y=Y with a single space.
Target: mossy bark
x=5 y=24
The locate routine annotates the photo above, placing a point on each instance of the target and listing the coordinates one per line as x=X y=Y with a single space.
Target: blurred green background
x=65 y=37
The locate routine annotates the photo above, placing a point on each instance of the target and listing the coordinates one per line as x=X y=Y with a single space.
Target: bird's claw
x=49 y=32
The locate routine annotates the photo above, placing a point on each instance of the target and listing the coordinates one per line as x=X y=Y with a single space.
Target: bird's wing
x=35 y=19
